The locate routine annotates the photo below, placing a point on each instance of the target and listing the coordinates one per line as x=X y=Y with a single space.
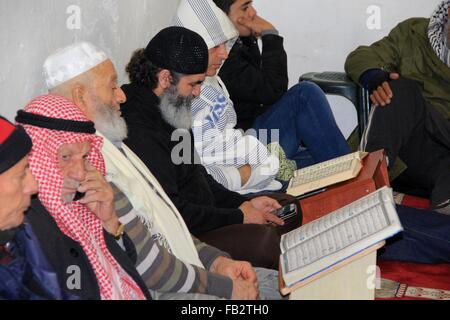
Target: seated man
x=151 y=220
x=157 y=112
x=25 y=273
x=79 y=236
x=299 y=119
x=408 y=74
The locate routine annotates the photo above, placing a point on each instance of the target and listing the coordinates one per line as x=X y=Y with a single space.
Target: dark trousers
x=414 y=131
x=425 y=239
x=257 y=244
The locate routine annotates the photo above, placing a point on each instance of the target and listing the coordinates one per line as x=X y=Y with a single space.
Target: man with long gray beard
x=165 y=77
x=171 y=262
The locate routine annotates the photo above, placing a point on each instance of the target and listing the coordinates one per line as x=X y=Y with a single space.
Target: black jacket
x=66 y=255
x=204 y=204
x=255 y=80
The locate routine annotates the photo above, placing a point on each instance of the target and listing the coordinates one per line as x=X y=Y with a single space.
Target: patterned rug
x=412 y=281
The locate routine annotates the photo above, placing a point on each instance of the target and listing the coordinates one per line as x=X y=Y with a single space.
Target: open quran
x=326 y=173
x=329 y=241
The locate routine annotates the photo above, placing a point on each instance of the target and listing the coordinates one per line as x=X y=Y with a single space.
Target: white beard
x=110 y=123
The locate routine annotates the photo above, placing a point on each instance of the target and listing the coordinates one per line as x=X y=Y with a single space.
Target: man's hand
x=234 y=269
x=99 y=198
x=383 y=94
x=245 y=283
x=244 y=290
x=257 y=25
x=265 y=204
x=256 y=216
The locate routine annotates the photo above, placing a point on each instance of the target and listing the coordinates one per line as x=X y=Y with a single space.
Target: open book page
x=337 y=236
x=326 y=173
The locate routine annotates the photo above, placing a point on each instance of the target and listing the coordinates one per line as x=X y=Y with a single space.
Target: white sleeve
x=229 y=177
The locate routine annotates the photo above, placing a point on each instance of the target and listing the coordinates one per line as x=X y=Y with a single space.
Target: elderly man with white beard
x=149 y=217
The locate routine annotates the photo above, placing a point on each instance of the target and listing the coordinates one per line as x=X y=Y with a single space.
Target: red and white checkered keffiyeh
x=74 y=219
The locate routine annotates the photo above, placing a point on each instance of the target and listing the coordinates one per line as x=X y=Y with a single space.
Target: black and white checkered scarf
x=439 y=32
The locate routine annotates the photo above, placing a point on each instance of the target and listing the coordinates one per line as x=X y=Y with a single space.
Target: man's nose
x=251 y=12
x=78 y=171
x=31 y=185
x=120 y=96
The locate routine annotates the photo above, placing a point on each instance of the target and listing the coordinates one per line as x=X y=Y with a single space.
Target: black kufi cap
x=178 y=49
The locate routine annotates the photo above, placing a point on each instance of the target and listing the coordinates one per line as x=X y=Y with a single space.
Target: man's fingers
x=383 y=95
x=95 y=185
x=249 y=274
x=273 y=218
x=387 y=89
x=378 y=99
x=275 y=204
x=374 y=101
x=90 y=198
x=94 y=175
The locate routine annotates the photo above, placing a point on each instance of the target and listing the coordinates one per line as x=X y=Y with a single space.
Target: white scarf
x=216 y=139
x=133 y=177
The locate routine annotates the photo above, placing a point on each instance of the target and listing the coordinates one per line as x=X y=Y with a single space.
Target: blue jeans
x=425 y=239
x=308 y=131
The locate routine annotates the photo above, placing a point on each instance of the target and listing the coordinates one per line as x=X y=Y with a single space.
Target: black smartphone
x=287 y=211
x=79 y=196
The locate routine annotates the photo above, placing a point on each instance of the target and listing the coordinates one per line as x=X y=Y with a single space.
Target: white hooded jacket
x=222 y=148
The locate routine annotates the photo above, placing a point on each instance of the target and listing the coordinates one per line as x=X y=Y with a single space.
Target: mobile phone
x=287 y=211
x=79 y=196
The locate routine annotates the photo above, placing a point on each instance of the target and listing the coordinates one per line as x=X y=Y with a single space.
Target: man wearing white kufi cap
x=86 y=76
x=69 y=62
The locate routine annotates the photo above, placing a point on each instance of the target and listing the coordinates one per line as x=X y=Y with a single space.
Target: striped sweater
x=162 y=271
x=222 y=148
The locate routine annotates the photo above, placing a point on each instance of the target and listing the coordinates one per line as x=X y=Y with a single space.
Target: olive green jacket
x=407 y=51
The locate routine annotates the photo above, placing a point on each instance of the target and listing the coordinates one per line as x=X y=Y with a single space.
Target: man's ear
x=164 y=79
x=78 y=93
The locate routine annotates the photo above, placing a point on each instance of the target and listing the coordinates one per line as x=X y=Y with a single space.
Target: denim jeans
x=425 y=239
x=308 y=131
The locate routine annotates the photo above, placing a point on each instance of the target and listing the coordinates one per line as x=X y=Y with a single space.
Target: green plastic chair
x=338 y=83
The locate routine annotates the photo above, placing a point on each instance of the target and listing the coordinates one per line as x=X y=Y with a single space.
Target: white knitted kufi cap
x=71 y=61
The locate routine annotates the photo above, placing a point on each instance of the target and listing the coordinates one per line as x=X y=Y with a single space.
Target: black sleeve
x=156 y=155
x=264 y=81
x=224 y=198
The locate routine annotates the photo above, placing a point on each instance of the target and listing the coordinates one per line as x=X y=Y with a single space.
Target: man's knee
x=258 y=244
x=306 y=89
x=406 y=93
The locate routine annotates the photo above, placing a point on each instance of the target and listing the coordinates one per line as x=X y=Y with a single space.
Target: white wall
x=319 y=34
x=32 y=29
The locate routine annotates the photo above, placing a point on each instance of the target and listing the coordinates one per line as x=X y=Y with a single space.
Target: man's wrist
x=269 y=32
x=113 y=226
x=216 y=264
